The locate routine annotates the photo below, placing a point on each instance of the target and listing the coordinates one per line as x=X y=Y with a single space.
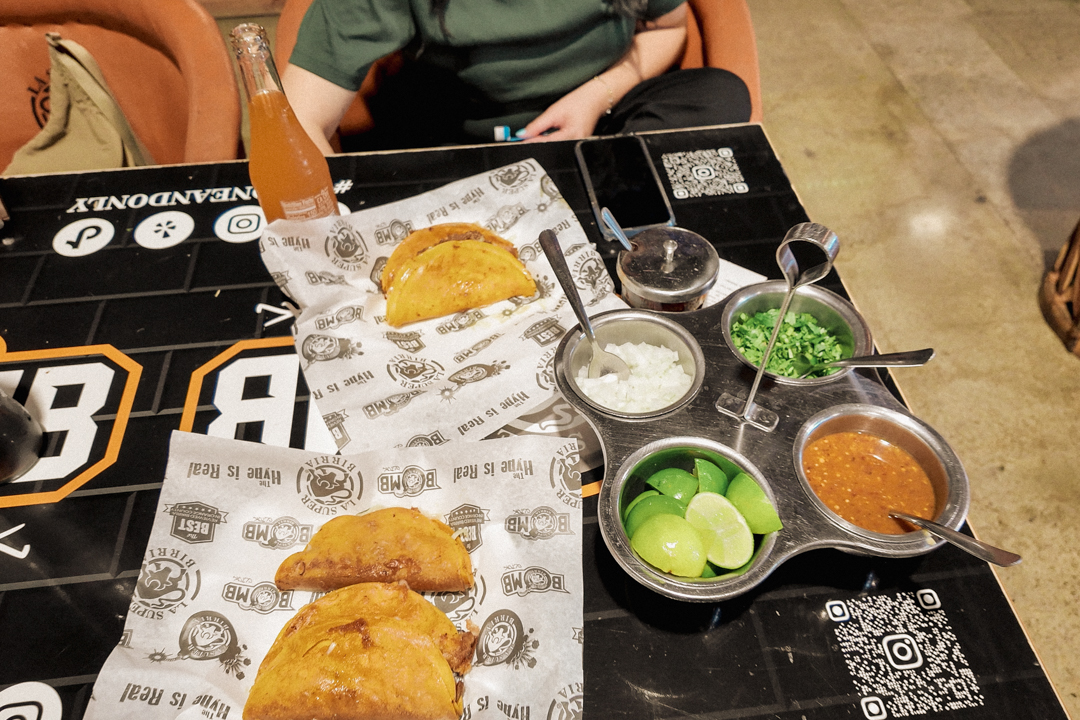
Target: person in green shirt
x=547 y=69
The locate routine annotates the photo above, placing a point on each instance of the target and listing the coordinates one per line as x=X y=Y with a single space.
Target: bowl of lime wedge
x=691 y=519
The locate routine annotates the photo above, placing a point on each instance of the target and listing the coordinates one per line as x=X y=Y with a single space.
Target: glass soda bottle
x=287 y=170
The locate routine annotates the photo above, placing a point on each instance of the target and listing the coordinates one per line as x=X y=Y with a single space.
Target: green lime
x=635 y=501
x=746 y=495
x=728 y=540
x=710 y=477
x=675 y=482
x=709 y=571
x=669 y=543
x=652 y=505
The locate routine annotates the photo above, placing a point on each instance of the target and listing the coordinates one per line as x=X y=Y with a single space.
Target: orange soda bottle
x=287 y=170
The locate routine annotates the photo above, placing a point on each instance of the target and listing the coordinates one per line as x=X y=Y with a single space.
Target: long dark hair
x=438 y=9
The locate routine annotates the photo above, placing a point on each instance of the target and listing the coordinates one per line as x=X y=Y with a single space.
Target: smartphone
x=620 y=175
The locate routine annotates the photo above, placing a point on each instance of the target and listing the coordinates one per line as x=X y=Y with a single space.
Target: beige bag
x=86 y=129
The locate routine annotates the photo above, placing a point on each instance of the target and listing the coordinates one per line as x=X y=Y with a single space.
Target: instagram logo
x=901 y=651
x=30 y=701
x=21 y=711
x=243 y=223
x=240 y=224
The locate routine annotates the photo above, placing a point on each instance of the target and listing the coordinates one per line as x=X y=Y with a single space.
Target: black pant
x=679 y=99
x=427 y=107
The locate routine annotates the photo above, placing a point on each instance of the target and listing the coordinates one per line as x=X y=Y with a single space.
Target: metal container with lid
x=669 y=269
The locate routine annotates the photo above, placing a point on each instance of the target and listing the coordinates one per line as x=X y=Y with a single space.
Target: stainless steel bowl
x=636 y=326
x=922 y=442
x=628 y=482
x=832 y=312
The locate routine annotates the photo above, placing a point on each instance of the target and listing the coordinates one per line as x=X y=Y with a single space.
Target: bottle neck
x=257 y=69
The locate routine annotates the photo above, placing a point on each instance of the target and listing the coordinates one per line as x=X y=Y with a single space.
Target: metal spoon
x=908 y=358
x=979 y=549
x=616 y=228
x=603 y=362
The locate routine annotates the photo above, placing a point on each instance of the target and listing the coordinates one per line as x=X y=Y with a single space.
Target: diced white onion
x=656 y=380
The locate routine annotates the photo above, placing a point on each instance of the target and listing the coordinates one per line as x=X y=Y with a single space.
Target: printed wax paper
x=205 y=609
x=459 y=377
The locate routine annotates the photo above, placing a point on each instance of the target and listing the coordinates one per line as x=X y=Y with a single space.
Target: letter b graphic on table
x=64 y=399
x=272 y=407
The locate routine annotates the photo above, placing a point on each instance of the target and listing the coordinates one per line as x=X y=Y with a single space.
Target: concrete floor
x=940 y=139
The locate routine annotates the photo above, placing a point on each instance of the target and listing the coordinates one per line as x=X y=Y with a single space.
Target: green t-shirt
x=508 y=50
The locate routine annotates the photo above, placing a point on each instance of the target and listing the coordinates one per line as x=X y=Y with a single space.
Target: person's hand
x=572 y=116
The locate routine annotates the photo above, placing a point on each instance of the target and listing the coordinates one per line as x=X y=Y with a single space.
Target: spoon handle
x=979 y=549
x=616 y=228
x=906 y=358
x=549 y=242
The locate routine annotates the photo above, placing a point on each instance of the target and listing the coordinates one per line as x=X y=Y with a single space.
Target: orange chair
x=720 y=34
x=165 y=61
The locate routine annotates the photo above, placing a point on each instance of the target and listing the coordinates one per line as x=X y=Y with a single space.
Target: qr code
x=903 y=655
x=703 y=172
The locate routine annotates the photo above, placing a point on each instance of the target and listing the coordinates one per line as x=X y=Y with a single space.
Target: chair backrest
x=165 y=61
x=720 y=34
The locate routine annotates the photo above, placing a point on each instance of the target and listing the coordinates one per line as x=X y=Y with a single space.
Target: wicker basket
x=1059 y=297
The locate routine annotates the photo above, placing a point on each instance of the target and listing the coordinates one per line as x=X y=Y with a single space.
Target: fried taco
x=385 y=545
x=449 y=268
x=372 y=651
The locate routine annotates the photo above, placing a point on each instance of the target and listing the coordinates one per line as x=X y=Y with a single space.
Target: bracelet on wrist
x=610 y=93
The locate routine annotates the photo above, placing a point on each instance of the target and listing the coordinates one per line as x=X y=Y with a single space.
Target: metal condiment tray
x=806 y=524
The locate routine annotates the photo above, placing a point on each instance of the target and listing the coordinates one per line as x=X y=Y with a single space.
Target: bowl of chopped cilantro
x=818 y=326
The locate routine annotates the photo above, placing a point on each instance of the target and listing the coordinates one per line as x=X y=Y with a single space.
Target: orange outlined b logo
x=82 y=396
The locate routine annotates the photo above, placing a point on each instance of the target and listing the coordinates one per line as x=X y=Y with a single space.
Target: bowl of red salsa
x=856 y=462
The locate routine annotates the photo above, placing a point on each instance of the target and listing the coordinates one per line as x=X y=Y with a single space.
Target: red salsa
x=861 y=477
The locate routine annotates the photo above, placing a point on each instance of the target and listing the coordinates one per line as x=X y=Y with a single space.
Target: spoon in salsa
x=979 y=549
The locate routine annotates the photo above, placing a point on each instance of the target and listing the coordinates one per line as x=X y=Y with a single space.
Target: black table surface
x=816 y=640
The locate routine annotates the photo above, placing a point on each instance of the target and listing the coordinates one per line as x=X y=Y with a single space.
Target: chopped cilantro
x=801 y=342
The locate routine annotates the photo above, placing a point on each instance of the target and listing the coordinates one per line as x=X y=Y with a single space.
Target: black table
x=136 y=327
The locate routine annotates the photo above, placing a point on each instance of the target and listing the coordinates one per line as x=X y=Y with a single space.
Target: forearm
x=318 y=103
x=655 y=48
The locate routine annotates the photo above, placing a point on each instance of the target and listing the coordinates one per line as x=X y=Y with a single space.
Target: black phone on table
x=620 y=175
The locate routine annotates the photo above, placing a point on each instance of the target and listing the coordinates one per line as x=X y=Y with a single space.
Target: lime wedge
x=728 y=540
x=710 y=477
x=635 y=501
x=670 y=544
x=746 y=495
x=675 y=482
x=652 y=505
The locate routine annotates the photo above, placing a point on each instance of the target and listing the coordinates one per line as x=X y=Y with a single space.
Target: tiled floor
x=941 y=140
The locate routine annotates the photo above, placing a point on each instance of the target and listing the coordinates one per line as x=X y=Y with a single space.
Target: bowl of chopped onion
x=666 y=365
x=819 y=326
